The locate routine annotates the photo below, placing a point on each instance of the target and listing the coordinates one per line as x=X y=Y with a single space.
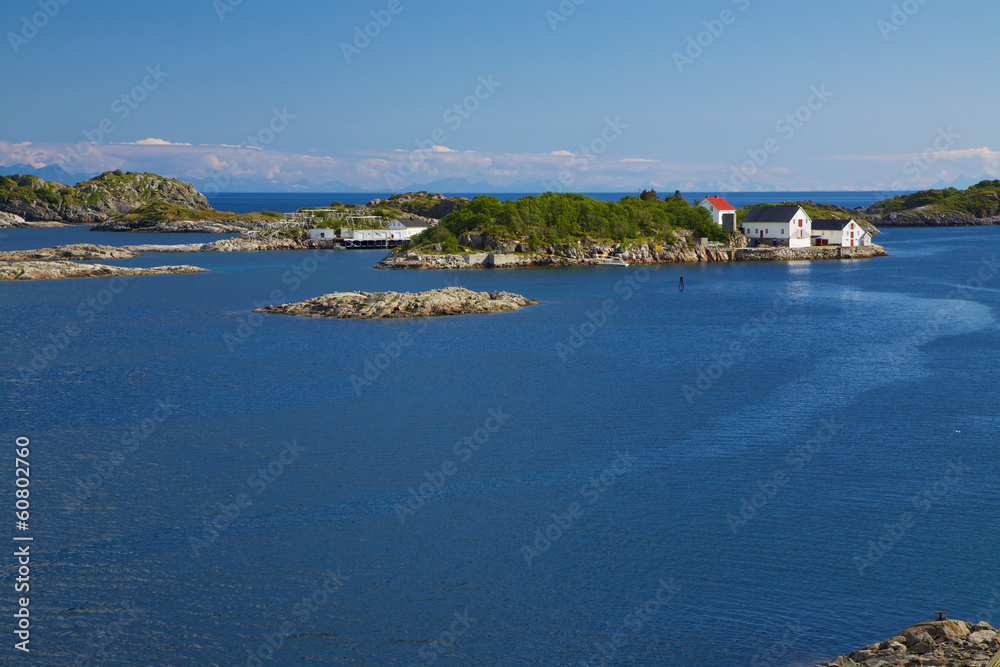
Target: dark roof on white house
x=830 y=225
x=413 y=222
x=771 y=214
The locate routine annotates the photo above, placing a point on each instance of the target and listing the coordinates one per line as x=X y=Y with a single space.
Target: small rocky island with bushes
x=394 y=305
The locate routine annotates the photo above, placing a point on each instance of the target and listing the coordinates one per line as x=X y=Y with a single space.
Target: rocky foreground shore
x=75 y=251
x=584 y=254
x=50 y=270
x=395 y=305
x=944 y=643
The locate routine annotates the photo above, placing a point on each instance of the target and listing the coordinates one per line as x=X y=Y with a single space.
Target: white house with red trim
x=783 y=225
x=845 y=233
x=723 y=213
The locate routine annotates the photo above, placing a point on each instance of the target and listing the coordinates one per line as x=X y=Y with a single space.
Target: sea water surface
x=781 y=463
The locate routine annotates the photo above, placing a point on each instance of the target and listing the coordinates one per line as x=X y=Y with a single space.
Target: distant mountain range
x=55 y=172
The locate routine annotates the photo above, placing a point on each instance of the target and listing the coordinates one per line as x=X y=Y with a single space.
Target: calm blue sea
x=287 y=202
x=782 y=463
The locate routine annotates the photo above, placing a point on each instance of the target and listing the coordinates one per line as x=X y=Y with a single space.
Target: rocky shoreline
x=73 y=252
x=238 y=244
x=51 y=270
x=586 y=254
x=394 y=305
x=944 y=643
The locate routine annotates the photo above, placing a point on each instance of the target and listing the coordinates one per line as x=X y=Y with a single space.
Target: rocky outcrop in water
x=9 y=220
x=50 y=270
x=395 y=305
x=76 y=251
x=95 y=200
x=170 y=226
x=945 y=643
x=926 y=216
x=240 y=244
x=590 y=254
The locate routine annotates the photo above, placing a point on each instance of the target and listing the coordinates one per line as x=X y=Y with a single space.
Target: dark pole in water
x=681 y=286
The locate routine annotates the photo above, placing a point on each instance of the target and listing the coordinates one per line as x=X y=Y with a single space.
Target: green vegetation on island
x=979 y=201
x=94 y=200
x=567 y=218
x=165 y=212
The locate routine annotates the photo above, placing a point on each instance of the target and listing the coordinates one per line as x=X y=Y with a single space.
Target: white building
x=787 y=225
x=322 y=233
x=723 y=213
x=845 y=233
x=409 y=226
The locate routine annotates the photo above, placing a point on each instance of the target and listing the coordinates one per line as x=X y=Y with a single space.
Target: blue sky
x=597 y=95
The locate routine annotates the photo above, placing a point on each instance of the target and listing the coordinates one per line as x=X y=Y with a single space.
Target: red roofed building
x=723 y=213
